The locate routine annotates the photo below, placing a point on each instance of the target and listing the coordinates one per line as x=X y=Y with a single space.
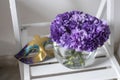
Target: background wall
x=44 y=11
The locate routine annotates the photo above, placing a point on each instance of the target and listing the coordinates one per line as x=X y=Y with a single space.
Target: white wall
x=6 y=32
x=117 y=24
x=46 y=10
x=40 y=11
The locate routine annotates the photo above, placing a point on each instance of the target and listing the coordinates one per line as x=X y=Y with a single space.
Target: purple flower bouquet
x=76 y=33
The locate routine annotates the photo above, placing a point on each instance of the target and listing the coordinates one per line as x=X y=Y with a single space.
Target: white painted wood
x=28 y=33
x=110 y=19
x=100 y=9
x=35 y=24
x=17 y=31
x=111 y=67
x=110 y=49
x=21 y=69
x=91 y=75
x=58 y=68
x=24 y=69
x=113 y=60
x=15 y=22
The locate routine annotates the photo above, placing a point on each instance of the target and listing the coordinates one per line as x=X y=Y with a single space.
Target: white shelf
x=102 y=69
x=106 y=66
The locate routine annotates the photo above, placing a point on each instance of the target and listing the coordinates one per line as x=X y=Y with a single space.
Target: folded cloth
x=37 y=50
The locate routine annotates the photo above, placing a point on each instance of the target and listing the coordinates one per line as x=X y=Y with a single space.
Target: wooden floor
x=9 y=68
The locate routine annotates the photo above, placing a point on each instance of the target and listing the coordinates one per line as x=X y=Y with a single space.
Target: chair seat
x=102 y=69
x=105 y=66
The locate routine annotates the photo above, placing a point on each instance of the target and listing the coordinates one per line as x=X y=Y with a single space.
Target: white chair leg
x=24 y=71
x=21 y=70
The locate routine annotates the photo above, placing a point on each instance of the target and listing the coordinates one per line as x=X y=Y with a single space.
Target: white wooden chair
x=105 y=67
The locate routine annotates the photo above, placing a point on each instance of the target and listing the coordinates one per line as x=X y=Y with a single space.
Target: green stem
x=74 y=58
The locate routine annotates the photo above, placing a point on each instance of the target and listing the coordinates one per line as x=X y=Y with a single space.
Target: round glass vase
x=73 y=59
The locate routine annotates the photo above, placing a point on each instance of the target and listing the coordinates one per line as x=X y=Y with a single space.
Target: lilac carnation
x=79 y=31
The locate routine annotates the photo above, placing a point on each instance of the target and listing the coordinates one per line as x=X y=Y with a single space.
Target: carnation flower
x=79 y=31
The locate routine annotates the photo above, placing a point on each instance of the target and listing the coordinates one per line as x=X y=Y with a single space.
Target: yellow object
x=43 y=53
x=39 y=49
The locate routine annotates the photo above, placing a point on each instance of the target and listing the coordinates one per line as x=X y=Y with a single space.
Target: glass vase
x=73 y=59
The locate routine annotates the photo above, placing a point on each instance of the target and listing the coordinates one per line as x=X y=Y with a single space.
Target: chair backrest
x=18 y=28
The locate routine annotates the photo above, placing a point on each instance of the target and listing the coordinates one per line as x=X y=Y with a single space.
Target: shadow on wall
x=45 y=10
x=42 y=11
x=9 y=69
x=7 y=48
x=8 y=64
x=117 y=50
